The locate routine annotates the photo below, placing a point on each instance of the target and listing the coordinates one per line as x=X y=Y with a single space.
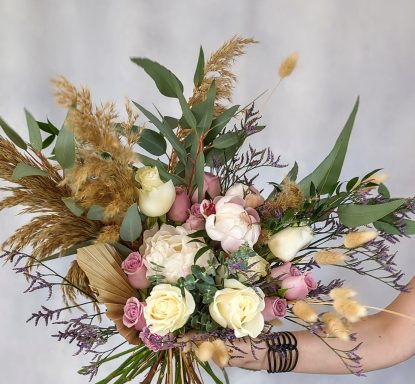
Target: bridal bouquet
x=171 y=248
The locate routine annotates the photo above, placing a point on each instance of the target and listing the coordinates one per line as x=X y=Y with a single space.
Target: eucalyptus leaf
x=384 y=191
x=200 y=69
x=199 y=175
x=205 y=122
x=355 y=215
x=386 y=227
x=409 y=227
x=48 y=141
x=34 y=131
x=292 y=175
x=328 y=172
x=167 y=83
x=153 y=142
x=351 y=183
x=220 y=122
x=13 y=135
x=48 y=128
x=24 y=170
x=73 y=206
x=96 y=212
x=162 y=168
x=131 y=226
x=68 y=251
x=65 y=147
x=187 y=112
x=226 y=140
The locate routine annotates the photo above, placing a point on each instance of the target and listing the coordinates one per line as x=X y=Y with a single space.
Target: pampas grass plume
x=288 y=65
x=359 y=238
x=328 y=257
x=304 y=312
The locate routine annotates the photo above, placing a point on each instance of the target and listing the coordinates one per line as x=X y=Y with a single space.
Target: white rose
x=233 y=224
x=173 y=250
x=286 y=243
x=155 y=197
x=239 y=308
x=167 y=309
x=257 y=268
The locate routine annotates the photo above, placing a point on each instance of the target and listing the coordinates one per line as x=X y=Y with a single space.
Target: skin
x=387 y=339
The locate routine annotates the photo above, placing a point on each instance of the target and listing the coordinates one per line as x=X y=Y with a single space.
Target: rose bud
x=287 y=243
x=310 y=281
x=285 y=270
x=180 y=208
x=297 y=288
x=134 y=314
x=274 y=307
x=134 y=268
x=211 y=186
x=195 y=221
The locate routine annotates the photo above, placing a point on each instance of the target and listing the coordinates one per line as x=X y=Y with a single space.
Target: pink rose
x=233 y=224
x=274 y=307
x=297 y=288
x=250 y=194
x=180 y=208
x=211 y=186
x=310 y=281
x=207 y=208
x=134 y=268
x=195 y=221
x=285 y=270
x=134 y=314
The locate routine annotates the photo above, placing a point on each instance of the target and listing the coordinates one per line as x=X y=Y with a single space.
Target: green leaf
x=201 y=252
x=226 y=140
x=384 y=191
x=48 y=141
x=199 y=174
x=68 y=251
x=122 y=249
x=409 y=227
x=48 y=128
x=73 y=206
x=351 y=183
x=131 y=226
x=34 y=131
x=162 y=168
x=386 y=227
x=24 y=170
x=355 y=215
x=167 y=83
x=292 y=175
x=200 y=69
x=221 y=155
x=187 y=112
x=220 y=122
x=328 y=172
x=153 y=142
x=96 y=212
x=13 y=135
x=206 y=121
x=65 y=147
x=172 y=122
x=165 y=130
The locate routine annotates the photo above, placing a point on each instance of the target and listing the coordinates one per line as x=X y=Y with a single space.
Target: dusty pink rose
x=134 y=314
x=250 y=194
x=207 y=208
x=296 y=286
x=285 y=270
x=180 y=208
x=134 y=268
x=274 y=307
x=195 y=221
x=310 y=281
x=211 y=186
x=233 y=224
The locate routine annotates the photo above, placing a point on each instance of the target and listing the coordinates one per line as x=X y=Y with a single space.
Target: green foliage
x=65 y=147
x=73 y=206
x=34 y=131
x=131 y=226
x=153 y=142
x=96 y=212
x=25 y=170
x=200 y=69
x=13 y=135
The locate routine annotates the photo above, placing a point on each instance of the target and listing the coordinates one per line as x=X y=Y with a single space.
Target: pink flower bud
x=180 y=208
x=310 y=281
x=134 y=314
x=211 y=186
x=296 y=287
x=196 y=221
x=285 y=270
x=134 y=268
x=274 y=307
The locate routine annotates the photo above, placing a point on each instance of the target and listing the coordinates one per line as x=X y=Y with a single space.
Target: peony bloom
x=136 y=271
x=211 y=186
x=180 y=208
x=155 y=197
x=239 y=308
x=167 y=309
x=298 y=287
x=233 y=225
x=257 y=268
x=195 y=221
x=134 y=314
x=207 y=208
x=287 y=243
x=170 y=252
x=251 y=195
x=274 y=307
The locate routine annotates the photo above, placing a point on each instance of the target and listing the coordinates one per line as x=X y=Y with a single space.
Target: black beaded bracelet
x=282 y=352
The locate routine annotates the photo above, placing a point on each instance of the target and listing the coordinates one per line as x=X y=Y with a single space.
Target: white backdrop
x=346 y=49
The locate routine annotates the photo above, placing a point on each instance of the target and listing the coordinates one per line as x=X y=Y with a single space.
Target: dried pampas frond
x=102 y=265
x=218 y=68
x=303 y=311
x=335 y=326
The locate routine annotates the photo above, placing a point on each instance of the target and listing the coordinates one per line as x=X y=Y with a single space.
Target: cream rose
x=287 y=243
x=155 y=197
x=257 y=268
x=167 y=309
x=169 y=251
x=239 y=308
